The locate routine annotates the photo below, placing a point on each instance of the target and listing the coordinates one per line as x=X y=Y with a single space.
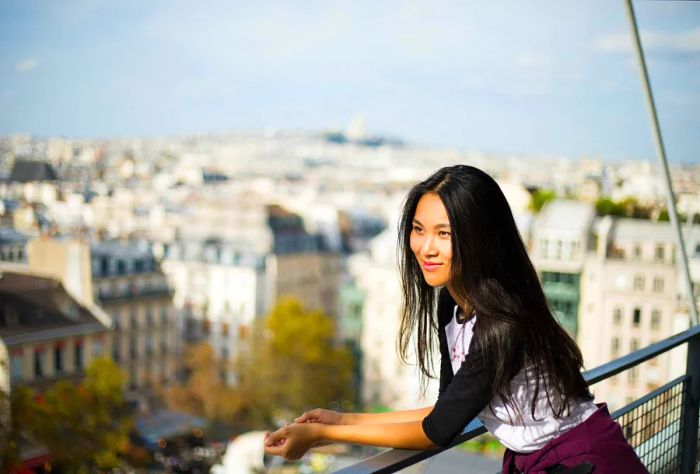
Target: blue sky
x=548 y=78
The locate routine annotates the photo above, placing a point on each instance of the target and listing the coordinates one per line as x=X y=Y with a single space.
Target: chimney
x=66 y=260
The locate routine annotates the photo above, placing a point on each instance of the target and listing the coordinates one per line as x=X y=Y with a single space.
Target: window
x=637 y=252
x=639 y=282
x=116 y=350
x=617 y=316
x=658 y=284
x=132 y=348
x=78 y=356
x=632 y=375
x=659 y=252
x=149 y=345
x=16 y=367
x=38 y=363
x=615 y=346
x=104 y=266
x=163 y=316
x=58 y=359
x=149 y=317
x=132 y=316
x=634 y=344
x=636 y=317
x=97 y=348
x=655 y=319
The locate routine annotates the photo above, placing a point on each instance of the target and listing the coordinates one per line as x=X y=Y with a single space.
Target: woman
x=468 y=280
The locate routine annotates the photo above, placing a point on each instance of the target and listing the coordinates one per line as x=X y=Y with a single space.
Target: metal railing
x=662 y=426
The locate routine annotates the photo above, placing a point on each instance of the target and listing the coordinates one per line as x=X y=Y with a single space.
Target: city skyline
x=537 y=79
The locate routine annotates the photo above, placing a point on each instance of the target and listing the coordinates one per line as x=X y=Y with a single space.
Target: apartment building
x=48 y=334
x=218 y=290
x=560 y=242
x=130 y=286
x=629 y=299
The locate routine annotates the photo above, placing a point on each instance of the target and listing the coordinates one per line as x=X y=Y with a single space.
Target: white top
x=521 y=432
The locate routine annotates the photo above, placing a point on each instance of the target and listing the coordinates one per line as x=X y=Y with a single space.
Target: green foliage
x=608 y=207
x=665 y=217
x=84 y=425
x=204 y=393
x=484 y=445
x=540 y=198
x=293 y=363
x=289 y=362
x=312 y=369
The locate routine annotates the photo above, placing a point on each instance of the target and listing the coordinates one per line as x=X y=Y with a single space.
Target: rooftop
x=34 y=307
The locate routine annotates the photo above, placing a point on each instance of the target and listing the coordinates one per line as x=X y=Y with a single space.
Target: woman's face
x=431 y=240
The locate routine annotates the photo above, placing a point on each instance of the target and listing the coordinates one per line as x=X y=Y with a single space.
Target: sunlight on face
x=431 y=240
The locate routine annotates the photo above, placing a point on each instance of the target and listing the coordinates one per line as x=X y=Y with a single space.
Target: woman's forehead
x=431 y=210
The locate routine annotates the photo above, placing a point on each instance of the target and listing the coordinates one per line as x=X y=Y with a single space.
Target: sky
x=535 y=78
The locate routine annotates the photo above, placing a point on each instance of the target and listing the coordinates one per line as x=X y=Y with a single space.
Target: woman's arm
x=293 y=441
x=320 y=415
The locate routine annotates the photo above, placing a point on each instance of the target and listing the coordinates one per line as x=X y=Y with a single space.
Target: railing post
x=691 y=409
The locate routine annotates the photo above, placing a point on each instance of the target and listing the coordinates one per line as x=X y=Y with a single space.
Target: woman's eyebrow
x=437 y=226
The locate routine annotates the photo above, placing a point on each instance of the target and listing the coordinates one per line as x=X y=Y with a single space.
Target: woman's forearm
x=403 y=435
x=388 y=417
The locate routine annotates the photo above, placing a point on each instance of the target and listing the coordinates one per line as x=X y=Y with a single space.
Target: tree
x=290 y=361
x=204 y=393
x=293 y=362
x=608 y=207
x=540 y=198
x=84 y=426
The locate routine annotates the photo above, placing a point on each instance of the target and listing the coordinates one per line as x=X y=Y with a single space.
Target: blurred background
x=198 y=207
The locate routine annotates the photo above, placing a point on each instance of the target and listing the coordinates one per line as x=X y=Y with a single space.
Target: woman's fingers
x=276 y=438
x=277 y=450
x=308 y=416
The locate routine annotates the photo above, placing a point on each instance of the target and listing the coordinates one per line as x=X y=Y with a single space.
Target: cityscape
x=139 y=251
x=199 y=214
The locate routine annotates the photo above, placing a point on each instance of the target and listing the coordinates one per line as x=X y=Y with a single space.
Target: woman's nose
x=429 y=247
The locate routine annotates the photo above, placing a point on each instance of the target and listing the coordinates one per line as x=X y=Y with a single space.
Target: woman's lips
x=431 y=267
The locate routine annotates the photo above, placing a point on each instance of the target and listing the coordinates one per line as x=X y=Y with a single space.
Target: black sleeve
x=444 y=312
x=467 y=394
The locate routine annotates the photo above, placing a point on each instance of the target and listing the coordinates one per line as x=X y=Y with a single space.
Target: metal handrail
x=394 y=460
x=637 y=357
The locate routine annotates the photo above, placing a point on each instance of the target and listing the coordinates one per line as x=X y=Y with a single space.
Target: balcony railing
x=662 y=426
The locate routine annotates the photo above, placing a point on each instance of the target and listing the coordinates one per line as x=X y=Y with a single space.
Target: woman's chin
x=435 y=282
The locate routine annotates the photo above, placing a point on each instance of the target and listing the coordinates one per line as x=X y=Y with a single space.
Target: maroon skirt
x=598 y=440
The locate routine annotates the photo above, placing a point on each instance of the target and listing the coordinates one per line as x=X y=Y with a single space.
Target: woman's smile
x=431 y=266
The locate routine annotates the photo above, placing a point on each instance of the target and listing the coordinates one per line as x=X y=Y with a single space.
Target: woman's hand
x=291 y=441
x=319 y=415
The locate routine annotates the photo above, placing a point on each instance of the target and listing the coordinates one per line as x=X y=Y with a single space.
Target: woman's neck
x=465 y=309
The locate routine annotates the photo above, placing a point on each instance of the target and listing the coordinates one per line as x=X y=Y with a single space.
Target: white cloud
x=27 y=65
x=683 y=43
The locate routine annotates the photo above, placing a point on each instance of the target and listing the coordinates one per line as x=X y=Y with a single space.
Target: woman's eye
x=417 y=229
x=444 y=233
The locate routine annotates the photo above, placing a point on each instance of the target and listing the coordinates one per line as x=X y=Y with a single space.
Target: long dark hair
x=493 y=275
